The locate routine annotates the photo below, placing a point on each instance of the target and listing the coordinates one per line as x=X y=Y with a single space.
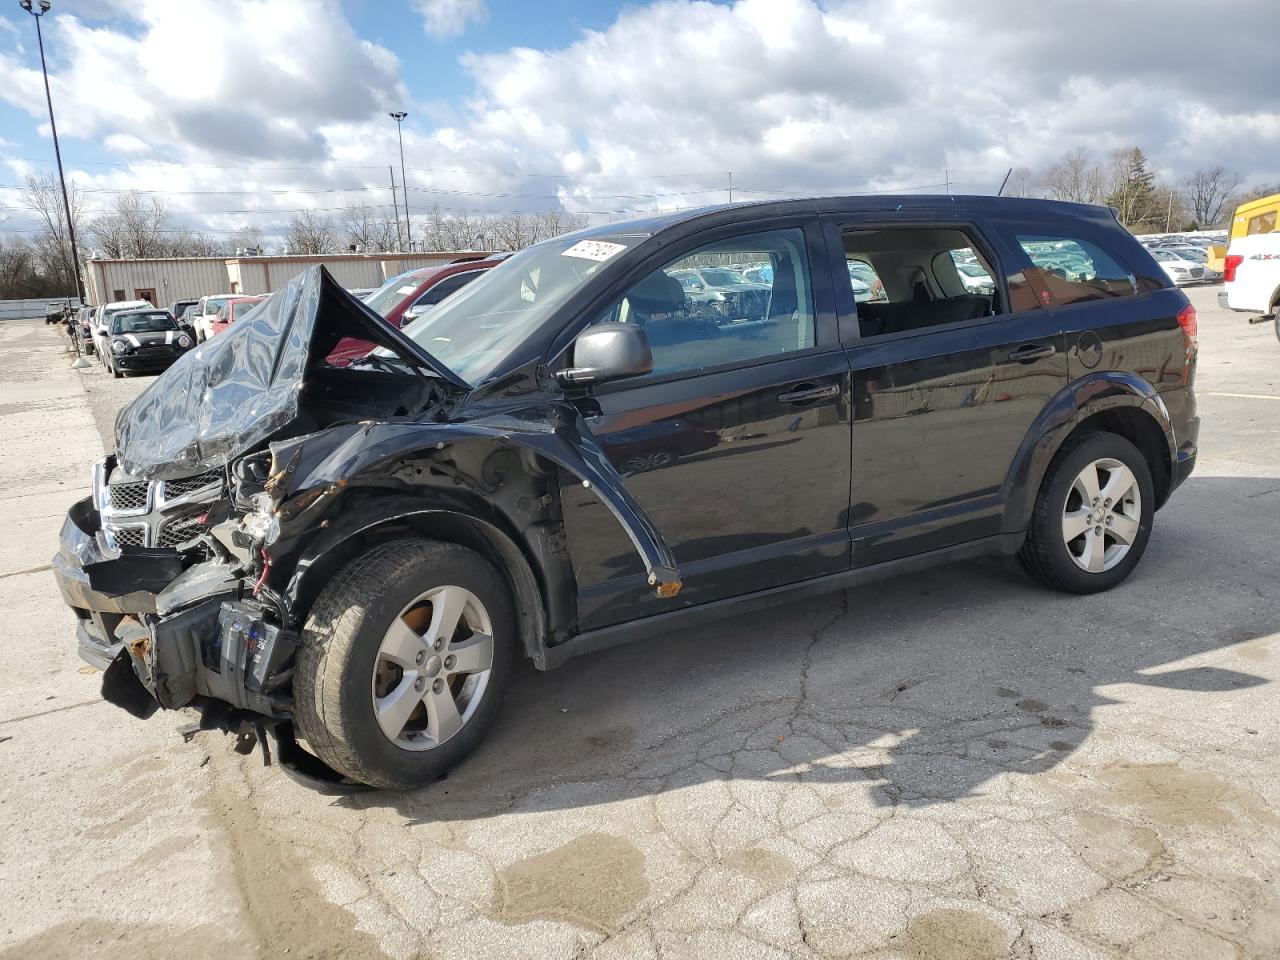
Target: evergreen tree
x=1133 y=190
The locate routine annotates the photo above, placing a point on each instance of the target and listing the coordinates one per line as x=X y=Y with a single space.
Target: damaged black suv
x=344 y=561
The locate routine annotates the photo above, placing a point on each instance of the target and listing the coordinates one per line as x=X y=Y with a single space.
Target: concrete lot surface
x=957 y=765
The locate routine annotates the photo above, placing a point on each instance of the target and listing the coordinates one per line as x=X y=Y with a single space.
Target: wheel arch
x=1112 y=401
x=368 y=521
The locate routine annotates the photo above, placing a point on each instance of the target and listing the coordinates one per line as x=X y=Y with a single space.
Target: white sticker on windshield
x=405 y=291
x=594 y=250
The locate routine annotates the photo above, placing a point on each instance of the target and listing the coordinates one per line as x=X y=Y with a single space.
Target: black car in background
x=350 y=560
x=144 y=341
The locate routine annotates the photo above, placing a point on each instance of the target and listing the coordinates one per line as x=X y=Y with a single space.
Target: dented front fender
x=556 y=431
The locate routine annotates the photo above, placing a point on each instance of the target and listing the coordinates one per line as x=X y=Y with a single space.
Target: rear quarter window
x=1076 y=270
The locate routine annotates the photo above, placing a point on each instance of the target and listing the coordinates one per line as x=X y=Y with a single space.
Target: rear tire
x=1080 y=543
x=368 y=646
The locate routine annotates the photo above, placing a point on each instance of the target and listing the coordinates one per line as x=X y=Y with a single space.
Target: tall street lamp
x=398 y=116
x=43 y=8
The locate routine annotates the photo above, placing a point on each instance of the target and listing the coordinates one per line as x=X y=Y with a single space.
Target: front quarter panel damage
x=319 y=467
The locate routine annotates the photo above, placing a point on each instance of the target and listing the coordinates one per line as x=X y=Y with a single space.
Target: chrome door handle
x=809 y=394
x=1033 y=351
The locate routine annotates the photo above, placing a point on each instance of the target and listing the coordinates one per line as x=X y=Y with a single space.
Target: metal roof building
x=162 y=281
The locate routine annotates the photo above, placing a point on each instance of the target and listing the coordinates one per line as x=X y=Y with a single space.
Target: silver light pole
x=38 y=10
x=398 y=116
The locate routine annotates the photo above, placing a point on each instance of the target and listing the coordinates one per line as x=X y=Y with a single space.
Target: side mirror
x=414 y=312
x=608 y=351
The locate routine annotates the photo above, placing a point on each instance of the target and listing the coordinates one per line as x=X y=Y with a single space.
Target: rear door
x=737 y=444
x=949 y=376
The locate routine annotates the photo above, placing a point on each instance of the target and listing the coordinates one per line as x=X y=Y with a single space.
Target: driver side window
x=731 y=301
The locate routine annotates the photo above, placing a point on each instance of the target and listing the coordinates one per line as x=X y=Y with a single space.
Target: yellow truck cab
x=1256 y=216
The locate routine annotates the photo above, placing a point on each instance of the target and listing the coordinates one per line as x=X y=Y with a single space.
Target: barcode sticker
x=594 y=250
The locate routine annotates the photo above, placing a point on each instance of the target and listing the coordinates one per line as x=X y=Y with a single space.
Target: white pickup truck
x=1251 y=276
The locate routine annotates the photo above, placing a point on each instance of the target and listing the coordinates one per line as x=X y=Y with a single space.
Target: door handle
x=1032 y=351
x=809 y=394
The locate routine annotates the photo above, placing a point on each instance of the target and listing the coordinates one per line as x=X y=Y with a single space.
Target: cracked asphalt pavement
x=955 y=765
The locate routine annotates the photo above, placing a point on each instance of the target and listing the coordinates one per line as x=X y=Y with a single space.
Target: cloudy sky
x=240 y=111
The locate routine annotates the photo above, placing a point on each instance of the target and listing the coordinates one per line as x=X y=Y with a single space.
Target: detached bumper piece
x=183 y=635
x=218 y=650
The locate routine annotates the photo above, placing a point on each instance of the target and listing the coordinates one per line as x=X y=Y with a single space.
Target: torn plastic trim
x=553 y=430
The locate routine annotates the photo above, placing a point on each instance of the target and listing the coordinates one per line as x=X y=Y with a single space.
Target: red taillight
x=1190 y=326
x=1229 y=267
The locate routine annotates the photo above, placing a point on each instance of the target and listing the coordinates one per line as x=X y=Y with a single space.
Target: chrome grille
x=157 y=514
x=178 y=531
x=130 y=536
x=128 y=496
x=180 y=488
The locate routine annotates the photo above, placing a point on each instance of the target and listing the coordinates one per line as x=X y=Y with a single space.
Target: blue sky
x=239 y=112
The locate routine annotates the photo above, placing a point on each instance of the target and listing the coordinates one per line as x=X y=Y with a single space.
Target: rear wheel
x=404 y=663
x=1092 y=519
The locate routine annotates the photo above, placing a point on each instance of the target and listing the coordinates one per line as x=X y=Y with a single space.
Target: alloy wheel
x=432 y=668
x=1102 y=515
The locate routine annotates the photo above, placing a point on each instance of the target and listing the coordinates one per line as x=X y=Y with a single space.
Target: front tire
x=1092 y=519
x=404 y=662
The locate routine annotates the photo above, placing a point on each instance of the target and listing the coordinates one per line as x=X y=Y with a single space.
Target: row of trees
x=139 y=225
x=312 y=232
x=1147 y=203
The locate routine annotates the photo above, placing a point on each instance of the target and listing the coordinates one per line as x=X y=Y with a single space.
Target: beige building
x=162 y=281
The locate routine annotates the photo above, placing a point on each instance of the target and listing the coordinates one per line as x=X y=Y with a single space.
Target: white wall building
x=162 y=281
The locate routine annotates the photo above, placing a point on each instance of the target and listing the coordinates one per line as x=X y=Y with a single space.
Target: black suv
x=346 y=562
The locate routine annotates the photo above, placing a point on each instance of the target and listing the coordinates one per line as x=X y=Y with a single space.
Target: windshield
x=142 y=323
x=471 y=331
x=392 y=293
x=213 y=304
x=723 y=278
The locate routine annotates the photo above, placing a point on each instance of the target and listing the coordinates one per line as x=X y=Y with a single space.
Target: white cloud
x=449 y=18
x=652 y=112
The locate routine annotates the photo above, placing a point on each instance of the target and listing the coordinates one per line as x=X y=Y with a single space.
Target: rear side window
x=1076 y=270
x=910 y=278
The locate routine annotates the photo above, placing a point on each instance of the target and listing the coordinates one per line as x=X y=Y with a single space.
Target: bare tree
x=1207 y=193
x=507 y=231
x=366 y=228
x=184 y=243
x=1257 y=192
x=51 y=246
x=1076 y=177
x=17 y=269
x=136 y=226
x=311 y=233
x=1023 y=183
x=247 y=237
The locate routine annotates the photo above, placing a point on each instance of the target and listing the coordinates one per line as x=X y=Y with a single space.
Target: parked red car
x=407 y=296
x=233 y=310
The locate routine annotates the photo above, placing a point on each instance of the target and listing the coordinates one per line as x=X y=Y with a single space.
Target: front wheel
x=1092 y=519
x=404 y=663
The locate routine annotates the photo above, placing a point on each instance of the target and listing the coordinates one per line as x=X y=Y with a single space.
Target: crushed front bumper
x=181 y=634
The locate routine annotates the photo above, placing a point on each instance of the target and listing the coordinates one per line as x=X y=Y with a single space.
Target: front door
x=737 y=444
x=951 y=369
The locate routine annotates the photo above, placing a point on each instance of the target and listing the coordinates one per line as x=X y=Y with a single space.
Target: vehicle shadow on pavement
x=916 y=691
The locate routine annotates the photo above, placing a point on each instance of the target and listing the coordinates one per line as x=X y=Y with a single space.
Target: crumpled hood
x=236 y=390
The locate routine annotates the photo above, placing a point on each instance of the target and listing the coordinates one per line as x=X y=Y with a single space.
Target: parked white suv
x=206 y=312
x=1251 y=276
